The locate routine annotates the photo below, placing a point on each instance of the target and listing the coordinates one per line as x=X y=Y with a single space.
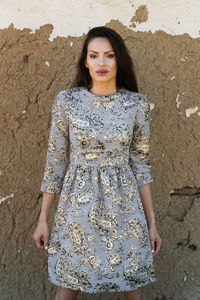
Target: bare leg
x=135 y=295
x=66 y=294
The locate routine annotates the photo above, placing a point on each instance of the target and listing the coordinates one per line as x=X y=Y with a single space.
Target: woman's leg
x=66 y=294
x=135 y=295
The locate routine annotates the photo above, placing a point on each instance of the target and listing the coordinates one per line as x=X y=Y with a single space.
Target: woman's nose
x=101 y=60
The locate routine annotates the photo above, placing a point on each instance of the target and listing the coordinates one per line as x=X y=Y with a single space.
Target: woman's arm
x=56 y=165
x=140 y=162
x=47 y=200
x=58 y=146
x=41 y=234
x=146 y=197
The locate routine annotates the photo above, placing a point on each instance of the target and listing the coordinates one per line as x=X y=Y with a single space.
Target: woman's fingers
x=152 y=246
x=39 y=241
x=157 y=246
x=41 y=236
x=46 y=241
x=155 y=241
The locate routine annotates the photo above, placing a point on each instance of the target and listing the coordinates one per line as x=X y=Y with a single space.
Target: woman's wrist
x=152 y=227
x=151 y=223
x=43 y=216
x=150 y=217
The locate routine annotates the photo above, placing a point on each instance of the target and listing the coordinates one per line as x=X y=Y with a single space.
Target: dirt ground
x=32 y=71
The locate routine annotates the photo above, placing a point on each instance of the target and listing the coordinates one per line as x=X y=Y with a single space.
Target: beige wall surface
x=40 y=42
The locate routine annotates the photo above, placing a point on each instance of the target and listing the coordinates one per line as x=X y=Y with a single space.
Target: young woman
x=104 y=235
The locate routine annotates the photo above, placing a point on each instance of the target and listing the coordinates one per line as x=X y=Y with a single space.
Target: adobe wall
x=33 y=70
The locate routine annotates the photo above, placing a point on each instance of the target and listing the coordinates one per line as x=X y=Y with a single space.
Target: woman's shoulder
x=67 y=96
x=69 y=93
x=135 y=95
x=136 y=98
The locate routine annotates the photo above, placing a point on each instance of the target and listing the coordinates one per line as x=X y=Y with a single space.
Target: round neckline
x=102 y=96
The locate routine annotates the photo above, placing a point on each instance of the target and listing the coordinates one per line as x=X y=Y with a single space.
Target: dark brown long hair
x=125 y=70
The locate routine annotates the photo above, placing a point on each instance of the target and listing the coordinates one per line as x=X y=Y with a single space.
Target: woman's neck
x=103 y=89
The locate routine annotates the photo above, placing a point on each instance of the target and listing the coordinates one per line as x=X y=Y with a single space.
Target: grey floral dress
x=98 y=156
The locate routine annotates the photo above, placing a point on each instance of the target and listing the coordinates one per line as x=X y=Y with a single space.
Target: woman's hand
x=41 y=235
x=155 y=239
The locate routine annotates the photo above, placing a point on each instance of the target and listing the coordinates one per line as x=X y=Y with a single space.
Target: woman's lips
x=102 y=72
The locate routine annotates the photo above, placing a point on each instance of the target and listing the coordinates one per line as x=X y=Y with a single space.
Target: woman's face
x=101 y=61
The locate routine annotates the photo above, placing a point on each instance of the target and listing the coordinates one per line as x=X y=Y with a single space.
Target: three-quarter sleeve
x=56 y=160
x=139 y=148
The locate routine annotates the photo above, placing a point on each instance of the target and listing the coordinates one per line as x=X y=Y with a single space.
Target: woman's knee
x=134 y=294
x=66 y=294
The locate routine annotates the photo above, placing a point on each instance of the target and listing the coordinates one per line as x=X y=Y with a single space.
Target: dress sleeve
x=56 y=160
x=139 y=148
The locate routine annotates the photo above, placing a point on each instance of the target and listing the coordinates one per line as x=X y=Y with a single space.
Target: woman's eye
x=110 y=55
x=92 y=56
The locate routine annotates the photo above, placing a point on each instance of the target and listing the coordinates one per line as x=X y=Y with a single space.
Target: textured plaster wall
x=33 y=69
x=73 y=17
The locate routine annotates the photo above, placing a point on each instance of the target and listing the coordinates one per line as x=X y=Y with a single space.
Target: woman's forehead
x=100 y=44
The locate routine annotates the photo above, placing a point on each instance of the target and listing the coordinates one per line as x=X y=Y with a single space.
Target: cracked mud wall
x=33 y=70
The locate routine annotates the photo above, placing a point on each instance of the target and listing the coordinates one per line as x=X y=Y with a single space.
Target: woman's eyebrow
x=104 y=52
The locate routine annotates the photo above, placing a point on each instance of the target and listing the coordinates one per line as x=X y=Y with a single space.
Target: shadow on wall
x=33 y=71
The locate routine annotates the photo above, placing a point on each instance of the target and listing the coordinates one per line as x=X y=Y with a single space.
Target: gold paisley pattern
x=97 y=157
x=54 y=248
x=69 y=276
x=77 y=237
x=95 y=262
x=135 y=228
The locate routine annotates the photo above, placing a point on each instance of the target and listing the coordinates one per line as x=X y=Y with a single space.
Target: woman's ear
x=86 y=65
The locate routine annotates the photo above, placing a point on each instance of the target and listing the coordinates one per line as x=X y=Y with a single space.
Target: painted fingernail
x=46 y=248
x=152 y=251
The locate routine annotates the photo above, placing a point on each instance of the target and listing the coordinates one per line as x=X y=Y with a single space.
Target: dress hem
x=107 y=292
